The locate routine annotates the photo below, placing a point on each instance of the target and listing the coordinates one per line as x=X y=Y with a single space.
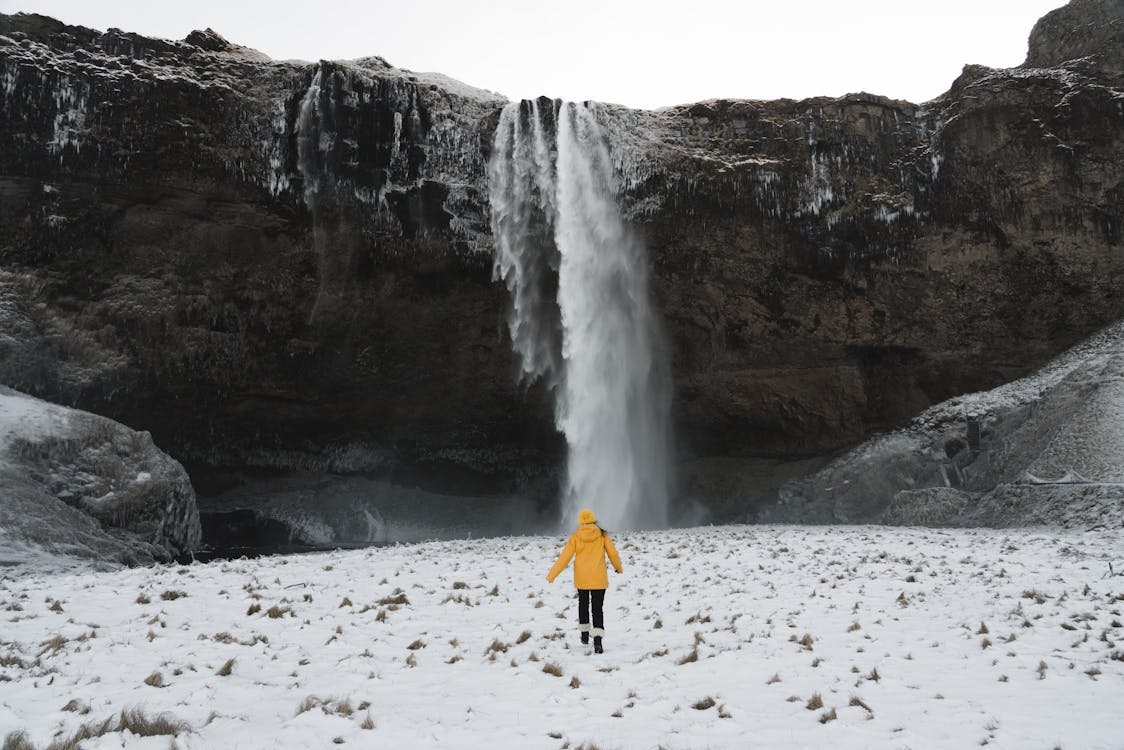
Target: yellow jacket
x=588 y=546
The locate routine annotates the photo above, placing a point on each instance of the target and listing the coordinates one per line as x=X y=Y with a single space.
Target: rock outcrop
x=1047 y=449
x=288 y=265
x=76 y=485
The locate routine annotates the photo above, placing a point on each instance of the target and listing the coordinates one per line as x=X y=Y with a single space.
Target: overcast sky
x=638 y=53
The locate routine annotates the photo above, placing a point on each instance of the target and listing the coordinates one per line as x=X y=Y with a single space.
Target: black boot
x=597 y=646
x=585 y=637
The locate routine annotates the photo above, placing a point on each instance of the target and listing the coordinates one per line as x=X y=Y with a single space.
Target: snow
x=949 y=639
x=29 y=418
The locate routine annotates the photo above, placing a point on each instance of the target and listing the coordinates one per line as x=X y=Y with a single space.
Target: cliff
x=288 y=265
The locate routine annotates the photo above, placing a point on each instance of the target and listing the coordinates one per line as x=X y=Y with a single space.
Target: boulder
x=77 y=485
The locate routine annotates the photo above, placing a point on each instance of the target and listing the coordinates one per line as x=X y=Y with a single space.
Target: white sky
x=642 y=54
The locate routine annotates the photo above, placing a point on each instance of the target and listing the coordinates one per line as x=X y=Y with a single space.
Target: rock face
x=1045 y=449
x=81 y=486
x=287 y=265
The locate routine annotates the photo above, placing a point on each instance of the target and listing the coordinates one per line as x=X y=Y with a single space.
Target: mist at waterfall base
x=581 y=317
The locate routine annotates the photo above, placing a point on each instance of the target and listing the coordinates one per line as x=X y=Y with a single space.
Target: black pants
x=598 y=613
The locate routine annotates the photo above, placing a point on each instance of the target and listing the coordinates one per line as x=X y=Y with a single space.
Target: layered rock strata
x=289 y=265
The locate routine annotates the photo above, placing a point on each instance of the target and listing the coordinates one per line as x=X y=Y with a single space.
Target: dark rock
x=288 y=265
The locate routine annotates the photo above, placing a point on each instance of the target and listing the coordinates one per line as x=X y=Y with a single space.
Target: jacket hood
x=589 y=532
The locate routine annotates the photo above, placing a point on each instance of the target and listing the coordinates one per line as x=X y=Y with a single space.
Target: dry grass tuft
x=397 y=599
x=827 y=716
x=575 y=683
x=691 y=657
x=704 y=703
x=17 y=741
x=524 y=636
x=171 y=595
x=416 y=645
x=155 y=680
x=77 y=707
x=254 y=609
x=52 y=644
x=308 y=704
x=133 y=720
x=345 y=603
x=497 y=647
x=275 y=612
x=874 y=675
x=143 y=599
x=368 y=723
x=226 y=669
x=552 y=668
x=854 y=626
x=56 y=606
x=814 y=703
x=983 y=629
x=857 y=701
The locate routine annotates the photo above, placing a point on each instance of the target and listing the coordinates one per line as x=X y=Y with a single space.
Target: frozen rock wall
x=288 y=265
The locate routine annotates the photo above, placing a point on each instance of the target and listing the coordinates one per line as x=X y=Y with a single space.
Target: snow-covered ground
x=716 y=637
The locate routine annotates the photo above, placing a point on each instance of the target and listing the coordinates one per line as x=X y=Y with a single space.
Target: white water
x=581 y=311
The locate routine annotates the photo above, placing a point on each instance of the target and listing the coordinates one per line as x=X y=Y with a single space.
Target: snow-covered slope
x=76 y=485
x=717 y=637
x=1050 y=450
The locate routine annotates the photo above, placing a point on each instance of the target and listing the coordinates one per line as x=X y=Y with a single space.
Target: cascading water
x=581 y=315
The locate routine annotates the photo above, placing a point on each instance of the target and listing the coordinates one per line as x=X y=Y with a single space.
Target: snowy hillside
x=716 y=637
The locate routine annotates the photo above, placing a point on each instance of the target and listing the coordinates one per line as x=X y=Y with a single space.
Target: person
x=589 y=546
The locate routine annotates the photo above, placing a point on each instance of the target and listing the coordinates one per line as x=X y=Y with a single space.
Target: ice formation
x=595 y=337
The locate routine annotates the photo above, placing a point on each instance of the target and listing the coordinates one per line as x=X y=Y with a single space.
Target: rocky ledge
x=288 y=265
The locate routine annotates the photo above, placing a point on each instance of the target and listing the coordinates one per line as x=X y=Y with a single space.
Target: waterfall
x=581 y=315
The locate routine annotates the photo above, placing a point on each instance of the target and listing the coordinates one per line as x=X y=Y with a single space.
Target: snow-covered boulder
x=1045 y=449
x=77 y=485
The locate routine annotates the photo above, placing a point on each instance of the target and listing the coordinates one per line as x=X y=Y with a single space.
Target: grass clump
x=815 y=702
x=497 y=647
x=704 y=703
x=552 y=669
x=827 y=716
x=276 y=612
x=17 y=741
x=397 y=599
x=134 y=720
x=226 y=669
x=171 y=595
